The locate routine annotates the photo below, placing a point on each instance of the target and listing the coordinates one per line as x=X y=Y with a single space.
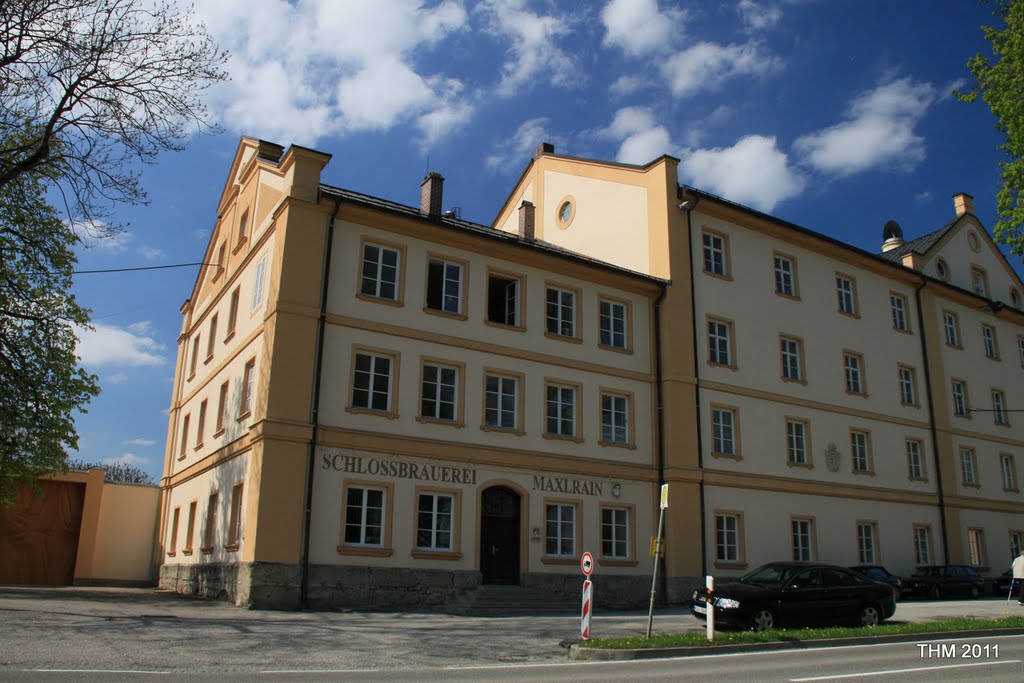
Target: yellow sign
x=654 y=545
x=664 y=496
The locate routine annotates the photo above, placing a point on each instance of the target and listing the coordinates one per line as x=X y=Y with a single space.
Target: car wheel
x=935 y=593
x=870 y=616
x=974 y=593
x=763 y=620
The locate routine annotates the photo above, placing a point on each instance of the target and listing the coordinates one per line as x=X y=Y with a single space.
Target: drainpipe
x=660 y=411
x=931 y=422
x=315 y=413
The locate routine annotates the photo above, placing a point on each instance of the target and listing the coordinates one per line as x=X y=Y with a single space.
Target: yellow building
x=385 y=405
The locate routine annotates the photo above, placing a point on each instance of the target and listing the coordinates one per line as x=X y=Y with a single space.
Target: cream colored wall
x=959 y=256
x=127 y=527
x=997 y=527
x=767 y=534
x=511 y=220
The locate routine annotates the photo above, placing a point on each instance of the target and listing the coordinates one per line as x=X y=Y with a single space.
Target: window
x=221 y=262
x=723 y=431
x=867 y=534
x=190 y=530
x=195 y=357
x=860 y=449
x=372 y=381
x=440 y=390
x=501 y=405
x=560 y=538
x=727 y=537
x=248 y=376
x=803 y=539
x=720 y=342
x=364 y=516
x=243 y=226
x=853 y=367
x=232 y=314
x=503 y=296
x=615 y=419
x=1008 y=469
x=976 y=546
x=796 y=443
x=444 y=286
x=561 y=410
x=951 y=327
x=785 y=275
x=561 y=312
x=898 y=304
x=979 y=281
x=999 y=408
x=791 y=359
x=968 y=468
x=211 y=338
x=183 y=444
x=380 y=272
x=211 y=523
x=846 y=291
x=915 y=464
x=614 y=324
x=1020 y=350
x=201 y=424
x=922 y=545
x=257 y=284
x=615 y=533
x=235 y=520
x=434 y=521
x=173 y=544
x=1014 y=297
x=716 y=255
x=988 y=337
x=1016 y=542
x=908 y=385
x=222 y=407
x=960 y=406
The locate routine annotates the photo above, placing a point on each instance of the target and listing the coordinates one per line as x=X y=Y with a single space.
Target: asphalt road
x=127 y=634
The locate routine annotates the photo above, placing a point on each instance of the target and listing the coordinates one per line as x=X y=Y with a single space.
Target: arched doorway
x=499 y=536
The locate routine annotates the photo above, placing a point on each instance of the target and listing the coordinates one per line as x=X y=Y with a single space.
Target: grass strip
x=783 y=635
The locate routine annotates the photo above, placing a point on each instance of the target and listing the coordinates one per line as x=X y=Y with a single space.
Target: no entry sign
x=587 y=564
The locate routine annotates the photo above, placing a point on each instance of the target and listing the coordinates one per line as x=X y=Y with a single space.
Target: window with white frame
x=1016 y=542
x=222 y=407
x=560 y=538
x=561 y=410
x=1020 y=350
x=847 y=295
x=614 y=418
x=803 y=540
x=195 y=357
x=723 y=426
x=867 y=533
x=714 y=254
x=371 y=381
x=922 y=545
x=503 y=296
x=440 y=392
x=211 y=337
x=968 y=468
x=898 y=305
x=561 y=312
x=727 y=538
x=1008 y=469
x=615 y=533
x=364 y=516
x=232 y=313
x=434 y=521
x=183 y=443
x=257 y=284
x=999 y=408
x=719 y=346
x=790 y=349
x=951 y=329
x=988 y=338
x=976 y=547
x=915 y=465
x=860 y=449
x=248 y=387
x=501 y=402
x=908 y=386
x=785 y=276
x=960 y=398
x=613 y=320
x=235 y=517
x=796 y=442
x=444 y=286
x=853 y=369
x=380 y=269
x=979 y=281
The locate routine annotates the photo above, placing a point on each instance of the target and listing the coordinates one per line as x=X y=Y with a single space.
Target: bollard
x=588 y=595
x=710 y=583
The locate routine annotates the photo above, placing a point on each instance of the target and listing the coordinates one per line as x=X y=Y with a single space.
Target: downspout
x=660 y=410
x=315 y=412
x=931 y=422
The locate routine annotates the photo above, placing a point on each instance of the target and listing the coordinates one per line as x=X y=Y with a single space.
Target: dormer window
x=979 y=281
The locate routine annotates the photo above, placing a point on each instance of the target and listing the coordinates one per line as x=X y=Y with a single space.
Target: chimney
x=527 y=221
x=430 y=195
x=963 y=203
x=542 y=149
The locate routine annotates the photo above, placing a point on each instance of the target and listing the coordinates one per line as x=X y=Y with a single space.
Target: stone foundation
x=610 y=591
x=333 y=587
x=257 y=585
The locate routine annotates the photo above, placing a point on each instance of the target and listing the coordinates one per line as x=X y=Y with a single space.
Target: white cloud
x=753 y=171
x=758 y=16
x=516 y=153
x=924 y=197
x=638 y=27
x=107 y=345
x=707 y=65
x=879 y=131
x=534 y=45
x=127 y=459
x=627 y=85
x=138 y=442
x=437 y=123
x=151 y=253
x=380 y=93
x=643 y=139
x=97 y=236
x=116 y=378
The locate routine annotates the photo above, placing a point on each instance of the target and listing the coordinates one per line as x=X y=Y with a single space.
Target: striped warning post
x=588 y=594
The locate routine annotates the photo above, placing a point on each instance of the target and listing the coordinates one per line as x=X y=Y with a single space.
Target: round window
x=972 y=241
x=566 y=212
x=942 y=269
x=1015 y=297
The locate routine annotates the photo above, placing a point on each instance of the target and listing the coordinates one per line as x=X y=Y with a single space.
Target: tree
x=121 y=472
x=88 y=89
x=1000 y=83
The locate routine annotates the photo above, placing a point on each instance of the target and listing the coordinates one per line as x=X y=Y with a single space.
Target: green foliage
x=121 y=472
x=1000 y=82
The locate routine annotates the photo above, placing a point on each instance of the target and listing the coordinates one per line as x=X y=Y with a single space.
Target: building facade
x=384 y=405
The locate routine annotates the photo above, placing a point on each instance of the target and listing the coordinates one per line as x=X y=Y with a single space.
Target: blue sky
x=833 y=114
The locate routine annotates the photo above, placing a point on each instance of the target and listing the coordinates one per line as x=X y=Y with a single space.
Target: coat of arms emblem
x=832 y=457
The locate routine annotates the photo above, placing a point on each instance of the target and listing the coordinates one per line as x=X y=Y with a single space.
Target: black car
x=1004 y=583
x=880 y=573
x=937 y=581
x=797 y=594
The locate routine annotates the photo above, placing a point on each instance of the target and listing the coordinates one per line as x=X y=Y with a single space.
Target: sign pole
x=709 y=582
x=657 y=556
x=587 y=566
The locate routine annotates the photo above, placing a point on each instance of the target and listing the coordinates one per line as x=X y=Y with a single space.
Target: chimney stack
x=527 y=221
x=431 y=195
x=542 y=149
x=963 y=203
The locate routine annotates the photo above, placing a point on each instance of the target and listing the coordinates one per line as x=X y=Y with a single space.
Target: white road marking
x=97 y=671
x=903 y=671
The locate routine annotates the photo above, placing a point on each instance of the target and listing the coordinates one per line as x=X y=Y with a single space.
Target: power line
x=128 y=270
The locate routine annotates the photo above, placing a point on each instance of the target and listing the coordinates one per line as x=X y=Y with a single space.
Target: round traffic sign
x=587 y=563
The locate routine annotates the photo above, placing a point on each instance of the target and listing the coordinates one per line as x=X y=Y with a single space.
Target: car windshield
x=768 y=575
x=927 y=571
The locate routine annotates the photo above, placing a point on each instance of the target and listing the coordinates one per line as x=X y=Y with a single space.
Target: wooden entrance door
x=499 y=536
x=39 y=535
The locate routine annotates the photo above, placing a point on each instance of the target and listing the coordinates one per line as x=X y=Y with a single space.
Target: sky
x=835 y=115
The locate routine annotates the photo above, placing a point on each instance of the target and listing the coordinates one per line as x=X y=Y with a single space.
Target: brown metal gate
x=39 y=535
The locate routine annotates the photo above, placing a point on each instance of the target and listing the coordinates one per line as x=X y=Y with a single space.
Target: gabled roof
x=921 y=245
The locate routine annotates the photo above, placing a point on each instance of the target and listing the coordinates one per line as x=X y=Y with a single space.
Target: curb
x=606 y=655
